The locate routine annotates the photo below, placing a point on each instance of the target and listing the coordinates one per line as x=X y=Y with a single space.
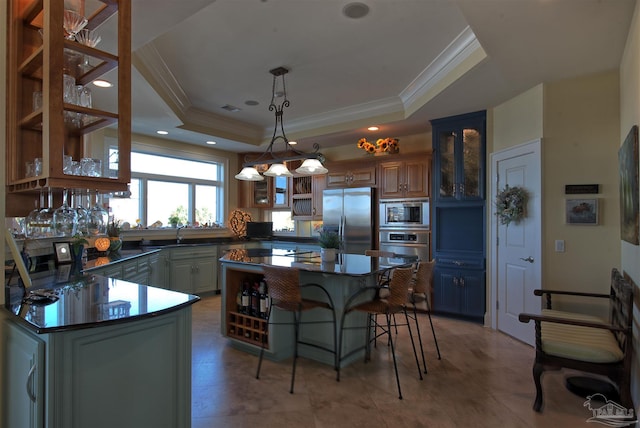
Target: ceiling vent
x=232 y=109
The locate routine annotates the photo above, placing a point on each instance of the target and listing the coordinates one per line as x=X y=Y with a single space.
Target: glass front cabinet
x=459 y=151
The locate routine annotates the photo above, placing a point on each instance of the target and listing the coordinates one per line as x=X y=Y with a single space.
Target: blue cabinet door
x=459 y=157
x=459 y=292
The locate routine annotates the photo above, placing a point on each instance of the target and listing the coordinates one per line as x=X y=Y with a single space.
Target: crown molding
x=462 y=48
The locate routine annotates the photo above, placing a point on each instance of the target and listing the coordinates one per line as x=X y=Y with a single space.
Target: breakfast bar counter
x=96 y=352
x=342 y=279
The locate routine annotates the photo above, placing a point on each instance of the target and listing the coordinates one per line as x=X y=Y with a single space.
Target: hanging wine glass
x=45 y=216
x=65 y=218
x=32 y=227
x=98 y=219
x=82 y=212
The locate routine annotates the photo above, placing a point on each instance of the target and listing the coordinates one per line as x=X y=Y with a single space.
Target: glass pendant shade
x=249 y=174
x=312 y=167
x=278 y=170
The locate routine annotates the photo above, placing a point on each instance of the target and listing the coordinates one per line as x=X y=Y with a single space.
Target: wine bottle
x=246 y=303
x=264 y=301
x=239 y=301
x=255 y=300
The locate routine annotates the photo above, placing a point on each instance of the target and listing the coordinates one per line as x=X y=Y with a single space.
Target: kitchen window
x=164 y=187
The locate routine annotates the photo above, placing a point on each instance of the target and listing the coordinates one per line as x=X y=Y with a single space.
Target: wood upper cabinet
x=40 y=60
x=404 y=179
x=342 y=175
x=306 y=198
x=256 y=194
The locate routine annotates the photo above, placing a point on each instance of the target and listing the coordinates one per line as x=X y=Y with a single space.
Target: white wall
x=580 y=146
x=629 y=116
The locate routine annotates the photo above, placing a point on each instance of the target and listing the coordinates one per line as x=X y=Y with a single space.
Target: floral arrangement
x=381 y=145
x=511 y=204
x=113 y=229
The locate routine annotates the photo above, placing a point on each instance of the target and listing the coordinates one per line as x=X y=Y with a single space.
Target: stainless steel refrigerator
x=350 y=213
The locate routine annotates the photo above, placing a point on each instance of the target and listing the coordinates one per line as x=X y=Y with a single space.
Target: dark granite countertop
x=345 y=264
x=64 y=298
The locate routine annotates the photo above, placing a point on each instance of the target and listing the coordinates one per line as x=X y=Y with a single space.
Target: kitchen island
x=342 y=279
x=96 y=352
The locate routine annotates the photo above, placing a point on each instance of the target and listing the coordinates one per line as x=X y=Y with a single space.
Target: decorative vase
x=77 y=252
x=328 y=254
x=381 y=153
x=116 y=244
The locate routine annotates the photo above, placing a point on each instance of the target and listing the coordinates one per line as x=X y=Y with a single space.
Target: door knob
x=528 y=259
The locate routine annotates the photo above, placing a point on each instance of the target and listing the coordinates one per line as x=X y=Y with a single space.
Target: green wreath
x=511 y=204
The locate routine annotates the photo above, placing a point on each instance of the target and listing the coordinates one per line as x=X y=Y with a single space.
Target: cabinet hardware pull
x=29 y=385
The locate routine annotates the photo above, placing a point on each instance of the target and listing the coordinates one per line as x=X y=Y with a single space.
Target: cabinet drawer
x=193 y=252
x=129 y=269
x=460 y=263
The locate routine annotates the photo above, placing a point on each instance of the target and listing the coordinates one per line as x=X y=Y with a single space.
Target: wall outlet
x=559 y=245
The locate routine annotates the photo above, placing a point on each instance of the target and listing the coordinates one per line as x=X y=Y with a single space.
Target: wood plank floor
x=483 y=380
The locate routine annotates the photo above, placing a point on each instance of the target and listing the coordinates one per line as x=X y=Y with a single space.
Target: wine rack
x=241 y=326
x=247 y=328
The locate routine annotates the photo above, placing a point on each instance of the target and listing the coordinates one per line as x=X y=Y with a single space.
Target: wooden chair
x=395 y=303
x=584 y=342
x=285 y=294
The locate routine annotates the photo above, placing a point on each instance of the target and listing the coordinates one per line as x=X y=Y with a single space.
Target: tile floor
x=483 y=380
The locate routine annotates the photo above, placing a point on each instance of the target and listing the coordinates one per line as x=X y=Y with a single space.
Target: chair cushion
x=578 y=342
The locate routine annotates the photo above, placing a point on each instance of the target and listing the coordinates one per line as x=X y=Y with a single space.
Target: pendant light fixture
x=312 y=164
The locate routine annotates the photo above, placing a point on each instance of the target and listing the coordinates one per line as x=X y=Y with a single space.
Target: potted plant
x=174 y=220
x=113 y=231
x=329 y=242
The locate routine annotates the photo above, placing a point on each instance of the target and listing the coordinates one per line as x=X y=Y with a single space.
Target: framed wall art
x=582 y=211
x=628 y=170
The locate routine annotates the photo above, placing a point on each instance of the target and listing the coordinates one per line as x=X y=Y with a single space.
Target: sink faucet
x=178 y=235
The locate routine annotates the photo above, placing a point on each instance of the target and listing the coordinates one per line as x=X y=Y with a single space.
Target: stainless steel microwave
x=404 y=213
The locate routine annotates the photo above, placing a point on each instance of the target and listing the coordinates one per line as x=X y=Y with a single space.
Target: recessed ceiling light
x=162 y=132
x=251 y=102
x=355 y=10
x=373 y=128
x=102 y=83
x=211 y=143
x=293 y=143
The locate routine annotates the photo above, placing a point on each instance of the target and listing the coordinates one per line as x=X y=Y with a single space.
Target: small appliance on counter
x=259 y=230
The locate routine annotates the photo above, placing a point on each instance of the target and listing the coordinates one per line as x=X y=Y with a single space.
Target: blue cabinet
x=458 y=215
x=459 y=156
x=459 y=289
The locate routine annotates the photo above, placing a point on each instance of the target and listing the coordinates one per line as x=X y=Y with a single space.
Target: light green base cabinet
x=130 y=375
x=193 y=269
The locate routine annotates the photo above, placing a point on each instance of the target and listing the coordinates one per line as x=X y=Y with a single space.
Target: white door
x=517 y=257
